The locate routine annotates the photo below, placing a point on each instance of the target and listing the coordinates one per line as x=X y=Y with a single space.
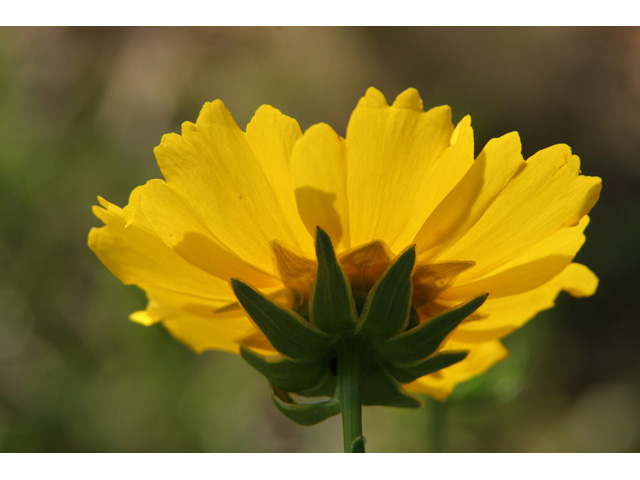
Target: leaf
x=426 y=367
x=288 y=332
x=332 y=308
x=415 y=345
x=286 y=374
x=326 y=388
x=379 y=388
x=386 y=311
x=304 y=413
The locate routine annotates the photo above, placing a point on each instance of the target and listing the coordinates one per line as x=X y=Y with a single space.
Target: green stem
x=349 y=369
x=436 y=414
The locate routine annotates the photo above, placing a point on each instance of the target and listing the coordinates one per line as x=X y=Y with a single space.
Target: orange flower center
x=363 y=266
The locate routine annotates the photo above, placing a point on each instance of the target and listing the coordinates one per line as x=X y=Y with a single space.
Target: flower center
x=363 y=266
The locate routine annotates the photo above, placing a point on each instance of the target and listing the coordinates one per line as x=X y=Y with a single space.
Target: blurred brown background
x=80 y=112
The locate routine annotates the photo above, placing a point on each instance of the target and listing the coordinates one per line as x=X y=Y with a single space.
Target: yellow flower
x=246 y=205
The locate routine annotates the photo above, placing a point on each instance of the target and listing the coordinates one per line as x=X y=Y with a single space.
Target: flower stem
x=436 y=417
x=349 y=373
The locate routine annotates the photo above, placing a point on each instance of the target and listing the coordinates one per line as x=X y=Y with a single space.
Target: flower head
x=247 y=205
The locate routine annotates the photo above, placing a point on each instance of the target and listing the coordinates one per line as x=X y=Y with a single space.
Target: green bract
x=388 y=347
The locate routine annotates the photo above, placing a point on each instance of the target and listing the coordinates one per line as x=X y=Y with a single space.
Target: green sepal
x=386 y=311
x=379 y=388
x=332 y=308
x=288 y=332
x=357 y=446
x=325 y=388
x=430 y=365
x=286 y=374
x=415 y=345
x=304 y=413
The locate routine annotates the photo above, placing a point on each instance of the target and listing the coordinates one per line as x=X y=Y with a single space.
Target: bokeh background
x=80 y=112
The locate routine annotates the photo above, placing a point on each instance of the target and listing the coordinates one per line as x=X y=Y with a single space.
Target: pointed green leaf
x=378 y=387
x=357 y=446
x=413 y=346
x=426 y=367
x=386 y=311
x=304 y=413
x=288 y=332
x=332 y=308
x=286 y=374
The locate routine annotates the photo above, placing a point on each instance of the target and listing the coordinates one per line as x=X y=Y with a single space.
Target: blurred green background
x=80 y=112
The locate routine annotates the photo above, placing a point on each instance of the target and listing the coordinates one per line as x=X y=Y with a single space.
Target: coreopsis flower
x=251 y=205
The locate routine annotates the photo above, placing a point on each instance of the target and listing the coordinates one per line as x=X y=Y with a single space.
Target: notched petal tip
x=215 y=112
x=189 y=128
x=213 y=106
x=99 y=212
x=462 y=126
x=410 y=99
x=373 y=98
x=268 y=115
x=107 y=211
x=509 y=147
x=104 y=207
x=167 y=141
x=103 y=201
x=510 y=141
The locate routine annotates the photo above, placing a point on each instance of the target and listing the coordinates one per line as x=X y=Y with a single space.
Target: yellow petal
x=578 y=281
x=143 y=317
x=174 y=221
x=156 y=310
x=214 y=167
x=272 y=137
x=319 y=170
x=533 y=268
x=465 y=204
x=501 y=316
x=202 y=334
x=439 y=385
x=137 y=257
x=164 y=303
x=391 y=154
x=194 y=321
x=549 y=194
x=374 y=98
x=449 y=169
